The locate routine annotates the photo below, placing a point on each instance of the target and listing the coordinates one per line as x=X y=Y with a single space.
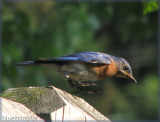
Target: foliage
x=33 y=30
x=150 y=7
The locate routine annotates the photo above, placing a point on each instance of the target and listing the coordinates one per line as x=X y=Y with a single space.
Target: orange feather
x=105 y=71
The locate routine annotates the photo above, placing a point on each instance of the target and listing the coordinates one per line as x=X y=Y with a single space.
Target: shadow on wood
x=46 y=103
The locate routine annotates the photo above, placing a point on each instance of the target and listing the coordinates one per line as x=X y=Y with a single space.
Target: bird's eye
x=126 y=68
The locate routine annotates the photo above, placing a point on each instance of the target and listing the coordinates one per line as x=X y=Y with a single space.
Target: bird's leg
x=83 y=87
x=72 y=83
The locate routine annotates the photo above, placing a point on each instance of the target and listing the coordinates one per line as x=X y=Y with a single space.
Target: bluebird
x=86 y=66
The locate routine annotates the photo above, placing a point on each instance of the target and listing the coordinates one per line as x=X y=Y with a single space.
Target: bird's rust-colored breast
x=105 y=71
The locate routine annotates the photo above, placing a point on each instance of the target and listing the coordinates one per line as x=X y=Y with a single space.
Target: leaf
x=149 y=7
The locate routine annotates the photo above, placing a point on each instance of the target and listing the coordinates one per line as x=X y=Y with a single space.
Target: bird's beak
x=129 y=76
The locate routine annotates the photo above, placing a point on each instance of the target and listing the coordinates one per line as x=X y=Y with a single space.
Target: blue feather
x=87 y=57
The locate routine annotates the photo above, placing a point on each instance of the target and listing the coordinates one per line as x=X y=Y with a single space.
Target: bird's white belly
x=77 y=72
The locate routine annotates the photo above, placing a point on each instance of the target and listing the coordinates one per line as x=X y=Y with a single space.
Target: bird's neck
x=117 y=63
x=111 y=69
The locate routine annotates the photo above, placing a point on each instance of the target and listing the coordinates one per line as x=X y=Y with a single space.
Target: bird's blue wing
x=85 y=57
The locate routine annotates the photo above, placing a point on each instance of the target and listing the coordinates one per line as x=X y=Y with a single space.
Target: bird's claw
x=87 y=84
x=76 y=84
x=83 y=87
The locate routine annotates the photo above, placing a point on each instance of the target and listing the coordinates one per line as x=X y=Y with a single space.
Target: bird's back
x=85 y=66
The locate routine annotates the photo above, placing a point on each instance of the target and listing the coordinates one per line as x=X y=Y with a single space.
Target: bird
x=86 y=66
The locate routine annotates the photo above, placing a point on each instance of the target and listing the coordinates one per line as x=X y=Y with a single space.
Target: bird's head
x=124 y=69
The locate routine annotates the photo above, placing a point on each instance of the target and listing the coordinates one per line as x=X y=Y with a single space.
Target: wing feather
x=85 y=57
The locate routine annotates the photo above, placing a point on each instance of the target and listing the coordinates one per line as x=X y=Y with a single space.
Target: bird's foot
x=86 y=89
x=83 y=87
x=87 y=84
x=77 y=84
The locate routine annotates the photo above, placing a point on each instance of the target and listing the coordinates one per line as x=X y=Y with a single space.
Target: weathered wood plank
x=51 y=103
x=79 y=107
x=16 y=111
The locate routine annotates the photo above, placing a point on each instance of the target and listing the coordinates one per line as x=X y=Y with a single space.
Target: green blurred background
x=32 y=30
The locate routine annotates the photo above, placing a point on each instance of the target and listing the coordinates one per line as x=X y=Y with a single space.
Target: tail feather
x=40 y=62
x=26 y=63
